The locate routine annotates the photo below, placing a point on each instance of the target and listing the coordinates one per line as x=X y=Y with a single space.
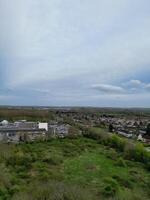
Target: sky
x=75 y=53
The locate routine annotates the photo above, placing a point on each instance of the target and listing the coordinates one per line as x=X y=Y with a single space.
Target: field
x=70 y=169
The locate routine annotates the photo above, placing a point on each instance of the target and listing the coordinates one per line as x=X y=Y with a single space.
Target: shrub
x=117 y=143
x=53 y=159
x=14 y=189
x=110 y=188
x=121 y=162
x=129 y=150
x=3 y=193
x=112 y=154
x=54 y=191
x=141 y=154
x=137 y=153
x=44 y=176
x=123 y=181
x=19 y=158
x=148 y=166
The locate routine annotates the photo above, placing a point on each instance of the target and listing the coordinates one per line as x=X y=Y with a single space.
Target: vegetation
x=128 y=149
x=72 y=169
x=27 y=114
x=41 y=113
x=148 y=129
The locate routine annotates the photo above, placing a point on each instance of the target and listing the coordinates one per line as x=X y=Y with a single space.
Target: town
x=69 y=122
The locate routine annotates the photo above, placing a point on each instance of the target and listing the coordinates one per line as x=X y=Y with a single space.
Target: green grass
x=65 y=169
x=98 y=130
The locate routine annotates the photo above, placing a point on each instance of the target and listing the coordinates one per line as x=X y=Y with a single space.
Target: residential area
x=68 y=122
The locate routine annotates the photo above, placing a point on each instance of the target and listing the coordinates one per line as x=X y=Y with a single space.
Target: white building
x=4 y=123
x=140 y=138
x=43 y=126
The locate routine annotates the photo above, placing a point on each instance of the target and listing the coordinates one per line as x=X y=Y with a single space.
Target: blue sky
x=75 y=53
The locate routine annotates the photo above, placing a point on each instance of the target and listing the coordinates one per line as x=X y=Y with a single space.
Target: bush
x=54 y=191
x=110 y=188
x=53 y=159
x=148 y=166
x=18 y=159
x=14 y=189
x=125 y=182
x=4 y=194
x=117 y=143
x=100 y=135
x=44 y=176
x=121 y=162
x=129 y=150
x=4 y=177
x=112 y=154
x=137 y=153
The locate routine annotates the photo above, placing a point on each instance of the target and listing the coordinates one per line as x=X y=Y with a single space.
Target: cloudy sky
x=75 y=53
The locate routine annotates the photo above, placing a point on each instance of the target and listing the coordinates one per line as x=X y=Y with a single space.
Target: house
x=59 y=130
x=146 y=138
x=140 y=138
x=125 y=134
x=21 y=135
x=4 y=123
x=142 y=132
x=24 y=124
x=23 y=131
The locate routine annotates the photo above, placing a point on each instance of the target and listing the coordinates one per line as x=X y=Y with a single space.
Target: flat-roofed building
x=43 y=126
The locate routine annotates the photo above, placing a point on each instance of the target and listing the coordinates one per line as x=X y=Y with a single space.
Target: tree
x=111 y=128
x=148 y=129
x=73 y=132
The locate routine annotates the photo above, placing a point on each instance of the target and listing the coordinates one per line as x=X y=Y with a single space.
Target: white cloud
x=135 y=83
x=147 y=87
x=110 y=89
x=132 y=86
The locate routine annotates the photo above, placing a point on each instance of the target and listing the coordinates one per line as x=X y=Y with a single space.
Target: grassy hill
x=70 y=169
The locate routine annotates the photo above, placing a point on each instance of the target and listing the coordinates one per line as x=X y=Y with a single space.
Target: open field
x=77 y=169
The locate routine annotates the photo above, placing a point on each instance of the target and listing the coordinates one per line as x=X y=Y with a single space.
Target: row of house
x=134 y=131
x=130 y=126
